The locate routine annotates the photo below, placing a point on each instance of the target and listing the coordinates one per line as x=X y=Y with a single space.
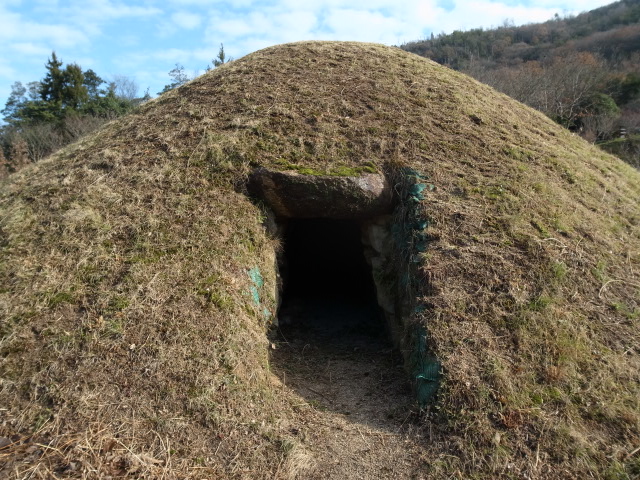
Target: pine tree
x=74 y=92
x=62 y=89
x=92 y=81
x=179 y=78
x=52 y=84
x=42 y=116
x=221 y=59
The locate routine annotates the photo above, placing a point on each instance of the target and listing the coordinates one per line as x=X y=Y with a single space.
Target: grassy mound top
x=129 y=344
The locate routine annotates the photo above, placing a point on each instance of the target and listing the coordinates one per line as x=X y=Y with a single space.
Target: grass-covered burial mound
x=142 y=269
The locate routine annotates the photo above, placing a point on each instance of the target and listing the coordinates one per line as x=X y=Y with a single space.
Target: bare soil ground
x=336 y=356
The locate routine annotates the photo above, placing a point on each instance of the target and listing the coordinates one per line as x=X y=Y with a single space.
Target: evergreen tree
x=179 y=78
x=52 y=84
x=66 y=104
x=92 y=81
x=221 y=59
x=74 y=92
x=108 y=105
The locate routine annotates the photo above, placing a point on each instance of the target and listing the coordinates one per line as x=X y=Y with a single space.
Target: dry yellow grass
x=130 y=346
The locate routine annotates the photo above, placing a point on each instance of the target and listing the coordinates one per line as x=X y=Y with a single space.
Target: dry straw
x=129 y=346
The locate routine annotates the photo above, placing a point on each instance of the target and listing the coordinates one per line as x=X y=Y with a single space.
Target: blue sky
x=144 y=39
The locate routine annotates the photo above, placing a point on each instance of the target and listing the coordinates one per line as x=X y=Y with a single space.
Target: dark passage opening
x=327 y=283
x=332 y=343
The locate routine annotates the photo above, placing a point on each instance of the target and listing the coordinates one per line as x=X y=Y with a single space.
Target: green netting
x=412 y=232
x=410 y=172
x=254 y=290
x=256 y=276
x=255 y=294
x=410 y=236
x=425 y=369
x=421 y=242
x=421 y=224
x=415 y=191
x=417 y=187
x=258 y=282
x=421 y=308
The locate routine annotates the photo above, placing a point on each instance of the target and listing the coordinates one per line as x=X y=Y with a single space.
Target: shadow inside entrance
x=332 y=345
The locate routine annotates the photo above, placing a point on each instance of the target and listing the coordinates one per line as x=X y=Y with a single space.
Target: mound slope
x=131 y=343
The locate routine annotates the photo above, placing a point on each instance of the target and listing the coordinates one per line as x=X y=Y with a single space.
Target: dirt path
x=363 y=424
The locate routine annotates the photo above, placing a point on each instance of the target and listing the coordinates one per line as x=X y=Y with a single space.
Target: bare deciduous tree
x=125 y=87
x=561 y=88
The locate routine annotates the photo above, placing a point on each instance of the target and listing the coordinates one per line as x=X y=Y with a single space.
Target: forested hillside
x=43 y=116
x=583 y=71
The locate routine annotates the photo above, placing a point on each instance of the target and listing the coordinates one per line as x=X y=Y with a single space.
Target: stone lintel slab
x=293 y=195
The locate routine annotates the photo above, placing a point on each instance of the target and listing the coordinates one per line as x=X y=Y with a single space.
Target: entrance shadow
x=336 y=355
x=332 y=345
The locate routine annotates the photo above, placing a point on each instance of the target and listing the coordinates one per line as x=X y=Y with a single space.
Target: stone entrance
x=336 y=338
x=293 y=195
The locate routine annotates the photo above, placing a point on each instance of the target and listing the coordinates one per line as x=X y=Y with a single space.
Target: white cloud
x=56 y=35
x=236 y=27
x=30 y=48
x=186 y=20
x=104 y=10
x=14 y=28
x=94 y=16
x=145 y=38
x=362 y=25
x=9 y=24
x=169 y=56
x=242 y=34
x=6 y=70
x=173 y=55
x=268 y=22
x=210 y=3
x=297 y=23
x=486 y=13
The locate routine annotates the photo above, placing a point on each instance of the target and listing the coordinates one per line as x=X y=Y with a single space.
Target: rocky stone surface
x=293 y=195
x=378 y=252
